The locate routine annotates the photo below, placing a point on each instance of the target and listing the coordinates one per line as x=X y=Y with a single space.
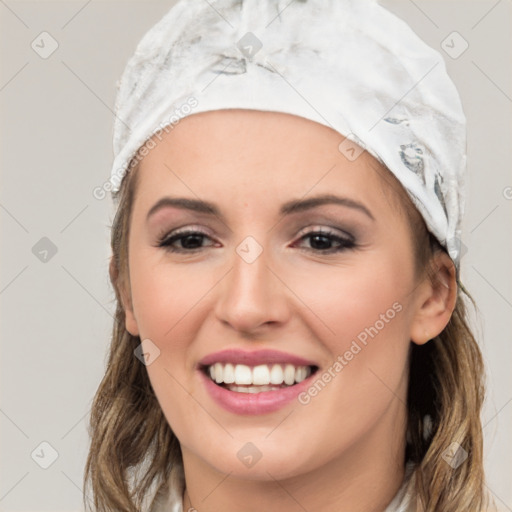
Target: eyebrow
x=294 y=206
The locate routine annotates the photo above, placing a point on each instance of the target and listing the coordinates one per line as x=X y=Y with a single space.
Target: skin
x=343 y=451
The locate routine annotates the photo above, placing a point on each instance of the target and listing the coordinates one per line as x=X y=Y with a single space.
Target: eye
x=190 y=241
x=322 y=240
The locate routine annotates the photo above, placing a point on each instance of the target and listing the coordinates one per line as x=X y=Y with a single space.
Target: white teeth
x=289 y=374
x=276 y=374
x=259 y=378
x=260 y=375
x=251 y=389
x=243 y=374
x=218 y=373
x=229 y=373
x=301 y=373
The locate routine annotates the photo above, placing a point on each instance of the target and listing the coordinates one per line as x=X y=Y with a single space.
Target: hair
x=133 y=449
x=446 y=390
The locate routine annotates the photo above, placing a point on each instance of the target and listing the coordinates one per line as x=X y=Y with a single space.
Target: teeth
x=276 y=374
x=251 y=389
x=301 y=373
x=243 y=374
x=289 y=374
x=218 y=373
x=229 y=374
x=262 y=376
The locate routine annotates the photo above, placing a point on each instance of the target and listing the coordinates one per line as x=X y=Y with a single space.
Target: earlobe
x=124 y=297
x=130 y=322
x=436 y=301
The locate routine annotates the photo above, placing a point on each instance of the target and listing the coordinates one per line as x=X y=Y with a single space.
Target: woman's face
x=257 y=285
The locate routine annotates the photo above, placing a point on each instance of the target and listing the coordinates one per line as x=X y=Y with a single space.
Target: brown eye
x=190 y=241
x=323 y=240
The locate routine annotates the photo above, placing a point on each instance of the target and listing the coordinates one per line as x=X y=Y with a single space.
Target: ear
x=436 y=300
x=124 y=297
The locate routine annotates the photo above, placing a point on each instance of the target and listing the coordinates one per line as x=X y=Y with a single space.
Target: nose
x=252 y=295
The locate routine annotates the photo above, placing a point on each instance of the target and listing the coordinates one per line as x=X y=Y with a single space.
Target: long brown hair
x=133 y=448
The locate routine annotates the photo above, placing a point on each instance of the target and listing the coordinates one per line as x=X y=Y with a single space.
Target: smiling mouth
x=242 y=378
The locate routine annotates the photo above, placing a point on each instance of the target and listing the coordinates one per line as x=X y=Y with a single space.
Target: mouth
x=241 y=378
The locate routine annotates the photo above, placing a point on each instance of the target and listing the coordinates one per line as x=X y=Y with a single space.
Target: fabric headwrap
x=348 y=64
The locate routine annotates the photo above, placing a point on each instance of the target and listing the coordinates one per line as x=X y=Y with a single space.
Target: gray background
x=56 y=131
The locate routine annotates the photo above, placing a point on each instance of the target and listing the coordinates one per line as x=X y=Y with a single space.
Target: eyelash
x=346 y=243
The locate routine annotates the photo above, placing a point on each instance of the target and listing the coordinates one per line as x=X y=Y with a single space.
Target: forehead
x=251 y=134
x=254 y=155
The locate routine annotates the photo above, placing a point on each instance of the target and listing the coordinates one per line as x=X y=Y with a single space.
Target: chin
x=258 y=460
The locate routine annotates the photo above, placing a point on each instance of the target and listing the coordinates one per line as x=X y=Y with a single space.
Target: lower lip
x=253 y=403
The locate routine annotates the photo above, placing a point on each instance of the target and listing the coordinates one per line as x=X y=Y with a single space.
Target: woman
x=290 y=330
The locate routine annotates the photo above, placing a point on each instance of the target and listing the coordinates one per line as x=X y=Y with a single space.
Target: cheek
x=351 y=301
x=167 y=303
x=365 y=327
x=162 y=298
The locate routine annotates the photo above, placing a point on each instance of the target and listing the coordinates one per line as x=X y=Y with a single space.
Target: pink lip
x=253 y=403
x=253 y=358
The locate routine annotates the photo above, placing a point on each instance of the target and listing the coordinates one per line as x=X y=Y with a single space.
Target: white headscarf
x=347 y=64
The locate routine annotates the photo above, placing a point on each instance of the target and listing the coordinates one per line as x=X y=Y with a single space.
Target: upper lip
x=254 y=357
